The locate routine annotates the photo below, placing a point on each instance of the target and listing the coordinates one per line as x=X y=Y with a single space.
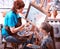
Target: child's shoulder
x=48 y=40
x=45 y=42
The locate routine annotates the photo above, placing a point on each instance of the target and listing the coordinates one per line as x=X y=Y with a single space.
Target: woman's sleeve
x=5 y=21
x=11 y=21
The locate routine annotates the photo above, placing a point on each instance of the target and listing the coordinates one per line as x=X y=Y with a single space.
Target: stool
x=5 y=42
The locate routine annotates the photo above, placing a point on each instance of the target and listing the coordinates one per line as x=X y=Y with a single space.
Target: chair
x=2 y=39
x=5 y=42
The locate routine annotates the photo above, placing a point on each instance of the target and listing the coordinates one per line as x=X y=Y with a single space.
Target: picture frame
x=35 y=15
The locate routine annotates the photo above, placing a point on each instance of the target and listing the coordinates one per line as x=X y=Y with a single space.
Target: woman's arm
x=20 y=28
x=14 y=30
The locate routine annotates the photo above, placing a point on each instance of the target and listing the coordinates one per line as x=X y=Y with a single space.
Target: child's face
x=42 y=31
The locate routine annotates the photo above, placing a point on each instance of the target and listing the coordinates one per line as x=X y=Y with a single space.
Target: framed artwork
x=35 y=15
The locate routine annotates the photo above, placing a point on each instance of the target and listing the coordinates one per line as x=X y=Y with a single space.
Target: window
x=6 y=3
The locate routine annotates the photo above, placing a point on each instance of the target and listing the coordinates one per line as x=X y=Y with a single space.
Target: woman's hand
x=29 y=45
x=27 y=24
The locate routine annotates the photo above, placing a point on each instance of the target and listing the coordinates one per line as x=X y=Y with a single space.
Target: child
x=47 y=41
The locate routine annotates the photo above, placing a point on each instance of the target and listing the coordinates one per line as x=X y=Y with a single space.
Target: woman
x=47 y=40
x=11 y=25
